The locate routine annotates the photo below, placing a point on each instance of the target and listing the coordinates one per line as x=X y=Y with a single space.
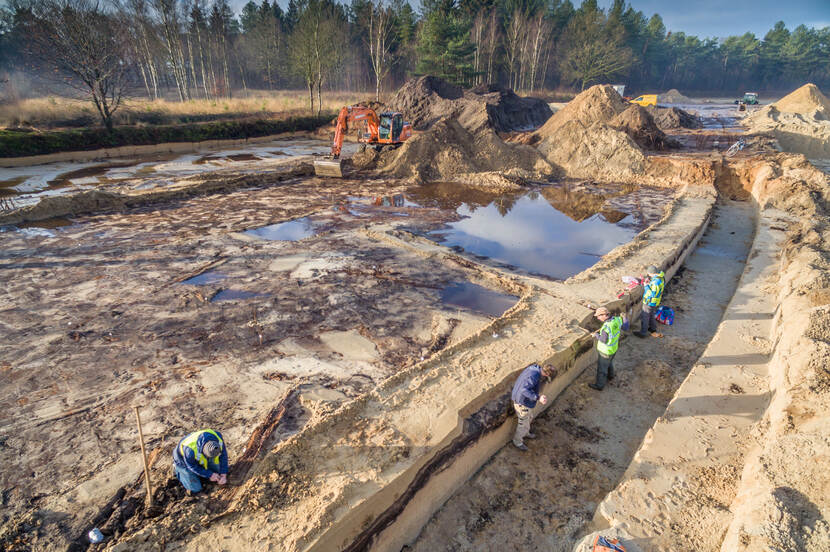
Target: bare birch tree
x=380 y=41
x=83 y=43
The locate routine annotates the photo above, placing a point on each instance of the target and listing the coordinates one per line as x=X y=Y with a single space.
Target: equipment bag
x=665 y=315
x=602 y=544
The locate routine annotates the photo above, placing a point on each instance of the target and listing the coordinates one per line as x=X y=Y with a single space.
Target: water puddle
x=49 y=224
x=28 y=184
x=205 y=279
x=555 y=232
x=234 y=295
x=292 y=230
x=477 y=298
x=39 y=228
x=362 y=206
x=7 y=187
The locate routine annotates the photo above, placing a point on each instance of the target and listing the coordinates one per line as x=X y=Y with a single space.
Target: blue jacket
x=526 y=388
x=653 y=291
x=188 y=460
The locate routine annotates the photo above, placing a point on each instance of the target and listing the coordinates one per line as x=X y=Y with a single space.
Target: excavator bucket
x=328 y=167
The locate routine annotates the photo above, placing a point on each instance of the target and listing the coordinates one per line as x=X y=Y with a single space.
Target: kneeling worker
x=608 y=341
x=525 y=395
x=201 y=455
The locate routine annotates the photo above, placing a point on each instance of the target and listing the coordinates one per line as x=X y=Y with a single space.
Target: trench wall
x=370 y=475
x=571 y=362
x=750 y=473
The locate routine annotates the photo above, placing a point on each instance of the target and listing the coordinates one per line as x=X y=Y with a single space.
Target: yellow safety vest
x=191 y=442
x=612 y=327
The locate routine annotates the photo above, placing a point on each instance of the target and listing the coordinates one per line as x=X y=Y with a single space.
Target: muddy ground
x=187 y=309
x=205 y=311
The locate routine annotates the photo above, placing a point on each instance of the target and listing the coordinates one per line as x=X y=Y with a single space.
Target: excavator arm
x=353 y=114
x=331 y=166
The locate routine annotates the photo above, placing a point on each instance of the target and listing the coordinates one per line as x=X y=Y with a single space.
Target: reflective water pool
x=477 y=298
x=556 y=236
x=292 y=230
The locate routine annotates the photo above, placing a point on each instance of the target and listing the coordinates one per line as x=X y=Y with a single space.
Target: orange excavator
x=387 y=130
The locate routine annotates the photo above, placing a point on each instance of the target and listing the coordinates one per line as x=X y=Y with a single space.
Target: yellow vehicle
x=645 y=100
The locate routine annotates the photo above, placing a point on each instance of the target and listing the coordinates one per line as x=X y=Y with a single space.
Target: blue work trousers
x=188 y=479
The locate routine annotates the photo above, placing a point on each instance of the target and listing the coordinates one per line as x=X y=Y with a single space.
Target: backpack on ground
x=603 y=544
x=665 y=315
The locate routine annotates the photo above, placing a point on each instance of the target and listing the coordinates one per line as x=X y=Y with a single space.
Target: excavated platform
x=371 y=473
x=256 y=304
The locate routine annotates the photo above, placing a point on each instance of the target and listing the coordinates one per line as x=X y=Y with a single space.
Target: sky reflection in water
x=533 y=236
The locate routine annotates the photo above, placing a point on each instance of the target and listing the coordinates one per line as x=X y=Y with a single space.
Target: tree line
x=201 y=49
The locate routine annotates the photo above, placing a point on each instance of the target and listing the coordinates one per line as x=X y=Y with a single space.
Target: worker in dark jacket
x=525 y=396
x=652 y=295
x=201 y=455
x=608 y=341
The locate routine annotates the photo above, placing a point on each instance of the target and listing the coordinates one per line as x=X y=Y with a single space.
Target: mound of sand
x=450 y=152
x=639 y=124
x=583 y=138
x=673 y=96
x=598 y=104
x=668 y=118
x=807 y=100
x=800 y=122
x=426 y=100
x=597 y=151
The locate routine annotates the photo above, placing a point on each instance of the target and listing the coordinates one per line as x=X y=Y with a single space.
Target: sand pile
x=639 y=124
x=580 y=139
x=598 y=104
x=426 y=100
x=598 y=152
x=669 y=118
x=807 y=100
x=673 y=96
x=450 y=152
x=799 y=121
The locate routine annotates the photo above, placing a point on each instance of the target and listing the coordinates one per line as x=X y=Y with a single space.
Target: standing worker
x=201 y=455
x=608 y=341
x=525 y=395
x=651 y=300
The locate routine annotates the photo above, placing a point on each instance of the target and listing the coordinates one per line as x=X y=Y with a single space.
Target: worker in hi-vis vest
x=608 y=341
x=201 y=455
x=651 y=300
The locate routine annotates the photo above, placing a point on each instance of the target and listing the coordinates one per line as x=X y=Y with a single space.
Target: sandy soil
x=544 y=499
x=107 y=323
x=349 y=389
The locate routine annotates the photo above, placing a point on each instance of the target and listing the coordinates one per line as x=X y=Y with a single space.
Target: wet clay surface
x=127 y=308
x=191 y=310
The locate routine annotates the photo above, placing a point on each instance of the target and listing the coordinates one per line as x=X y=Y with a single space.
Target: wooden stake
x=144 y=459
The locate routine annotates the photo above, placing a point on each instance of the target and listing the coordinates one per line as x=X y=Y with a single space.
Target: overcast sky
x=709 y=18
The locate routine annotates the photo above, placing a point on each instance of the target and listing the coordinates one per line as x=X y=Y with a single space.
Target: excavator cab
x=385 y=127
x=390 y=127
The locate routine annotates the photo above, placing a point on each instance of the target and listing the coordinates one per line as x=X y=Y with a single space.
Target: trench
x=546 y=498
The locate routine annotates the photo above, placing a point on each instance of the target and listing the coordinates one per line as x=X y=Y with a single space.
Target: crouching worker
x=525 y=395
x=201 y=455
x=608 y=341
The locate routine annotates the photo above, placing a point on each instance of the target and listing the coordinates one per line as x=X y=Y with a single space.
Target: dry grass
x=58 y=112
